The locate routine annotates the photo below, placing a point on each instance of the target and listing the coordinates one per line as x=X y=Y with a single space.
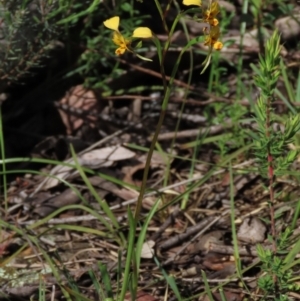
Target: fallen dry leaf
x=288 y=27
x=129 y=171
x=217 y=262
x=203 y=245
x=252 y=230
x=77 y=98
x=157 y=159
x=97 y=158
x=68 y=197
x=5 y=241
x=147 y=249
x=106 y=156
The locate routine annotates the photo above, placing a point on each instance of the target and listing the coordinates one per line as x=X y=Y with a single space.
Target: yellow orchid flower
x=118 y=38
x=191 y=2
x=123 y=43
x=211 y=13
x=212 y=38
x=212 y=41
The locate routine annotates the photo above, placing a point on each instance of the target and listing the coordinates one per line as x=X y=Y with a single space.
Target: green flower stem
x=158 y=6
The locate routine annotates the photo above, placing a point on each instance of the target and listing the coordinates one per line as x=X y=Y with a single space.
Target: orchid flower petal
x=218 y=45
x=120 y=41
x=112 y=23
x=120 y=51
x=142 y=32
x=192 y=2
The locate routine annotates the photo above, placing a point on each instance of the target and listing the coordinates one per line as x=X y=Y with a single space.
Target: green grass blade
x=106 y=280
x=286 y=81
x=296 y=215
x=143 y=232
x=2 y=152
x=207 y=287
x=130 y=244
x=289 y=259
x=297 y=96
x=170 y=280
x=103 y=204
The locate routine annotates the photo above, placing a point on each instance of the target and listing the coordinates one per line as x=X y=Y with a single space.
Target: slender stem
x=240 y=60
x=271 y=181
x=272 y=200
x=161 y=13
x=271 y=172
x=147 y=165
x=2 y=152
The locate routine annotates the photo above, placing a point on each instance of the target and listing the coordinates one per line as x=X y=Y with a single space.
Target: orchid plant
x=211 y=35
